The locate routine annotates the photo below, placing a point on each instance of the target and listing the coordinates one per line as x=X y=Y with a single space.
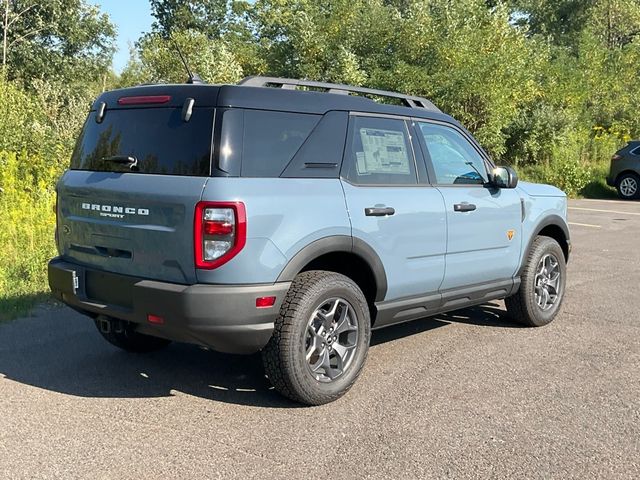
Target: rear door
x=391 y=207
x=484 y=224
x=127 y=203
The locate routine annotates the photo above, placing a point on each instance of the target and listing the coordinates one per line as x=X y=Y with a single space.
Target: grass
x=23 y=268
x=27 y=224
x=16 y=306
x=597 y=187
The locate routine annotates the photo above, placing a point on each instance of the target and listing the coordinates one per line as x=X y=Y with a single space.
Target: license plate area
x=109 y=288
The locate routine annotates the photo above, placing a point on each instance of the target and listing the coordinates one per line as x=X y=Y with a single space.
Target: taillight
x=616 y=157
x=220 y=232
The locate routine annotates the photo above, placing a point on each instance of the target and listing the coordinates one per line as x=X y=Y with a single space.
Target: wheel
x=321 y=338
x=628 y=186
x=122 y=334
x=542 y=286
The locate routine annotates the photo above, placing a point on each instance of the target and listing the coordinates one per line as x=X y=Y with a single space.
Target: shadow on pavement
x=488 y=315
x=18 y=305
x=61 y=351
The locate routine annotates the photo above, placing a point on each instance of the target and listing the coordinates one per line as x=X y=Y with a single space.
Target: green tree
x=156 y=60
x=204 y=16
x=469 y=59
x=560 y=20
x=616 y=23
x=63 y=39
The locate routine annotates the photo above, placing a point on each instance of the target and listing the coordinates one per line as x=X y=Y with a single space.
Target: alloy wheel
x=547 y=282
x=629 y=186
x=331 y=339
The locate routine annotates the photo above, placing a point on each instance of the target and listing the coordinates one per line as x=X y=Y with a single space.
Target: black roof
x=305 y=101
x=267 y=98
x=338 y=88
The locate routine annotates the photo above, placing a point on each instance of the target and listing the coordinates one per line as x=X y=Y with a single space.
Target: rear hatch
x=140 y=165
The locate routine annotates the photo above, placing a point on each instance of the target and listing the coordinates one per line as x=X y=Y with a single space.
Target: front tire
x=321 y=338
x=122 y=334
x=628 y=186
x=542 y=286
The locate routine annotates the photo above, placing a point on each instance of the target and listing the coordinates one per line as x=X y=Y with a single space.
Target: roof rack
x=293 y=84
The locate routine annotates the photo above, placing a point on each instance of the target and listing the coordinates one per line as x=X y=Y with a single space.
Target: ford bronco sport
x=292 y=218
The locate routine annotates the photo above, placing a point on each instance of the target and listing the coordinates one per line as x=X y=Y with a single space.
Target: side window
x=271 y=139
x=454 y=159
x=379 y=153
x=320 y=156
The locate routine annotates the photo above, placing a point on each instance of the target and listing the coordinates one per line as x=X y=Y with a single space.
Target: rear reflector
x=155 y=319
x=144 y=100
x=265 y=302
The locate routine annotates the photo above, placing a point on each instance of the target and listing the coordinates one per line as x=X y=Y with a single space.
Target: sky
x=132 y=18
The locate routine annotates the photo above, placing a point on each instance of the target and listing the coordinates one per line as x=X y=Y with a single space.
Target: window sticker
x=384 y=151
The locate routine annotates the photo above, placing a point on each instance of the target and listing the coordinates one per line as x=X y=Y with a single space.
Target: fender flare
x=338 y=243
x=547 y=221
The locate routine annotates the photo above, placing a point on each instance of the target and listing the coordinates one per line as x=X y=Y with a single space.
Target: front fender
x=557 y=228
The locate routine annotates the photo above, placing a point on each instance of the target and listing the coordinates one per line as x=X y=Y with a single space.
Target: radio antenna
x=193 y=78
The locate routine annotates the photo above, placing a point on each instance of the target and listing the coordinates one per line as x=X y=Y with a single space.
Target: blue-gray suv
x=293 y=218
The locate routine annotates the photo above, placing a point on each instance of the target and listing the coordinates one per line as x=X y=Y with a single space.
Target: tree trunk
x=5 y=35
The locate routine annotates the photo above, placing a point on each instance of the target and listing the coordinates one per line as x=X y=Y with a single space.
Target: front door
x=484 y=225
x=392 y=208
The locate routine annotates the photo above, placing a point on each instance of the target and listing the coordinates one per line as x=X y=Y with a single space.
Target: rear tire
x=321 y=338
x=542 y=286
x=122 y=334
x=628 y=186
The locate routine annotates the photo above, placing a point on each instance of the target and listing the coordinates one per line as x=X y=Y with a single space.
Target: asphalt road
x=466 y=395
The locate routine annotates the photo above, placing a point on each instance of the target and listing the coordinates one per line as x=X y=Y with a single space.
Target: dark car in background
x=625 y=171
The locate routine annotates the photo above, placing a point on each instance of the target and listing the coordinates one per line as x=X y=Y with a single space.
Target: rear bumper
x=611 y=181
x=222 y=317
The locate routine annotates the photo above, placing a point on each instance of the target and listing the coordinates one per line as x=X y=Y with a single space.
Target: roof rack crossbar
x=292 y=84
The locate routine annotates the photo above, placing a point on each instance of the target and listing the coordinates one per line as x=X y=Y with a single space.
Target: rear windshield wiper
x=123 y=160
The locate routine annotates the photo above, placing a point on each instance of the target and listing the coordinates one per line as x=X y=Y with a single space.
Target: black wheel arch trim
x=550 y=220
x=333 y=244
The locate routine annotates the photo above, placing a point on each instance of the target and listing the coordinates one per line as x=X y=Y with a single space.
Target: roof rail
x=293 y=84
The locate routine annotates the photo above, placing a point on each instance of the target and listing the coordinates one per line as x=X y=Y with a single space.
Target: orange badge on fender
x=510 y=234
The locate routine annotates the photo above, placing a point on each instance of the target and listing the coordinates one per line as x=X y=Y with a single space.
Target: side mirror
x=504 y=177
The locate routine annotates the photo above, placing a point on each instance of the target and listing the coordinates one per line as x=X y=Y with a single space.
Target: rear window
x=158 y=139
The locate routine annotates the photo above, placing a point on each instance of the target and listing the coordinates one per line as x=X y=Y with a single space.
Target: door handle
x=464 y=207
x=379 y=211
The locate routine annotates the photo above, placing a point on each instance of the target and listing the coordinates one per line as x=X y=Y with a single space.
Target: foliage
x=65 y=40
x=204 y=16
x=157 y=60
x=27 y=224
x=37 y=131
x=57 y=58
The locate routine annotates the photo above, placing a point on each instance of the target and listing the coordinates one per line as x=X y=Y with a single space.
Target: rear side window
x=271 y=139
x=379 y=153
x=158 y=138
